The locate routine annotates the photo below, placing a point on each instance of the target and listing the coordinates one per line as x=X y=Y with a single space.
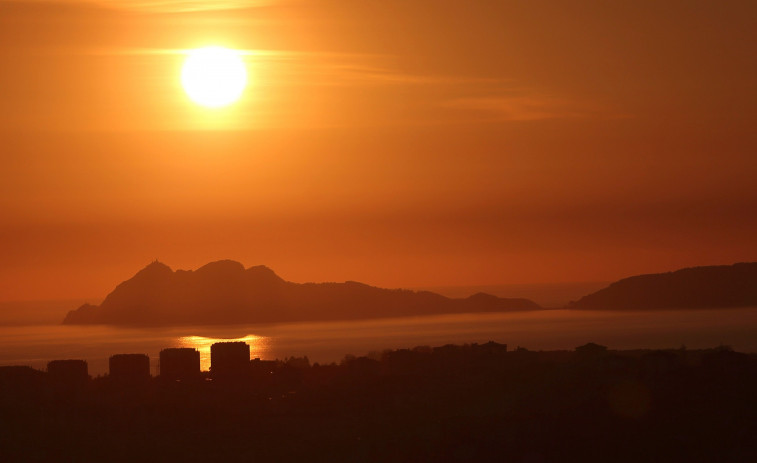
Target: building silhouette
x=229 y=360
x=129 y=367
x=180 y=363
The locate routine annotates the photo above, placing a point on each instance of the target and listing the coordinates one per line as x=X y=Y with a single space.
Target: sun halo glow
x=214 y=77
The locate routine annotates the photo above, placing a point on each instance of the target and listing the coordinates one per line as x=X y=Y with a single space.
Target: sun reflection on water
x=258 y=346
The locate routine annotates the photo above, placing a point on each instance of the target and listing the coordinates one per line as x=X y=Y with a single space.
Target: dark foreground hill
x=224 y=292
x=688 y=288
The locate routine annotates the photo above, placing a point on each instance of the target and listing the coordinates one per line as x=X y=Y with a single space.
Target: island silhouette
x=224 y=292
x=703 y=287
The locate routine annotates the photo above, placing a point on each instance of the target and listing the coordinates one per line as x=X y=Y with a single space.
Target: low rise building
x=129 y=367
x=68 y=371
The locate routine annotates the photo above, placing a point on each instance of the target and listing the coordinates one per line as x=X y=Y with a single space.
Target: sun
x=214 y=77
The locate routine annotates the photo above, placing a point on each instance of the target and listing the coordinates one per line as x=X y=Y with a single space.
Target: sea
x=325 y=342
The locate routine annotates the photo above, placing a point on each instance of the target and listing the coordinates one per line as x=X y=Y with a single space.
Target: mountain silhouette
x=224 y=292
x=688 y=288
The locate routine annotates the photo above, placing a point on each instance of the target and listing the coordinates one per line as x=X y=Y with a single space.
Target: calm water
x=329 y=341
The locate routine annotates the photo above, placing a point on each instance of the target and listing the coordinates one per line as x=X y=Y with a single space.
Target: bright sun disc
x=214 y=76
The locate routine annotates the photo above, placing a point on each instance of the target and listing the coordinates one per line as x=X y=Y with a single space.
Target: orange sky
x=396 y=142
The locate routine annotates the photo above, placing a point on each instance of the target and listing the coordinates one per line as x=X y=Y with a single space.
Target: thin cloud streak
x=172 y=6
x=331 y=69
x=362 y=74
x=520 y=107
x=184 y=51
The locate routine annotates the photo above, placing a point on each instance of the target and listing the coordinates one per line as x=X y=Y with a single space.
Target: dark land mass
x=224 y=292
x=689 y=288
x=547 y=295
x=479 y=403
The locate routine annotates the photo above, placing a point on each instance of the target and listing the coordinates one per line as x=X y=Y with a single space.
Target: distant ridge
x=689 y=288
x=224 y=292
